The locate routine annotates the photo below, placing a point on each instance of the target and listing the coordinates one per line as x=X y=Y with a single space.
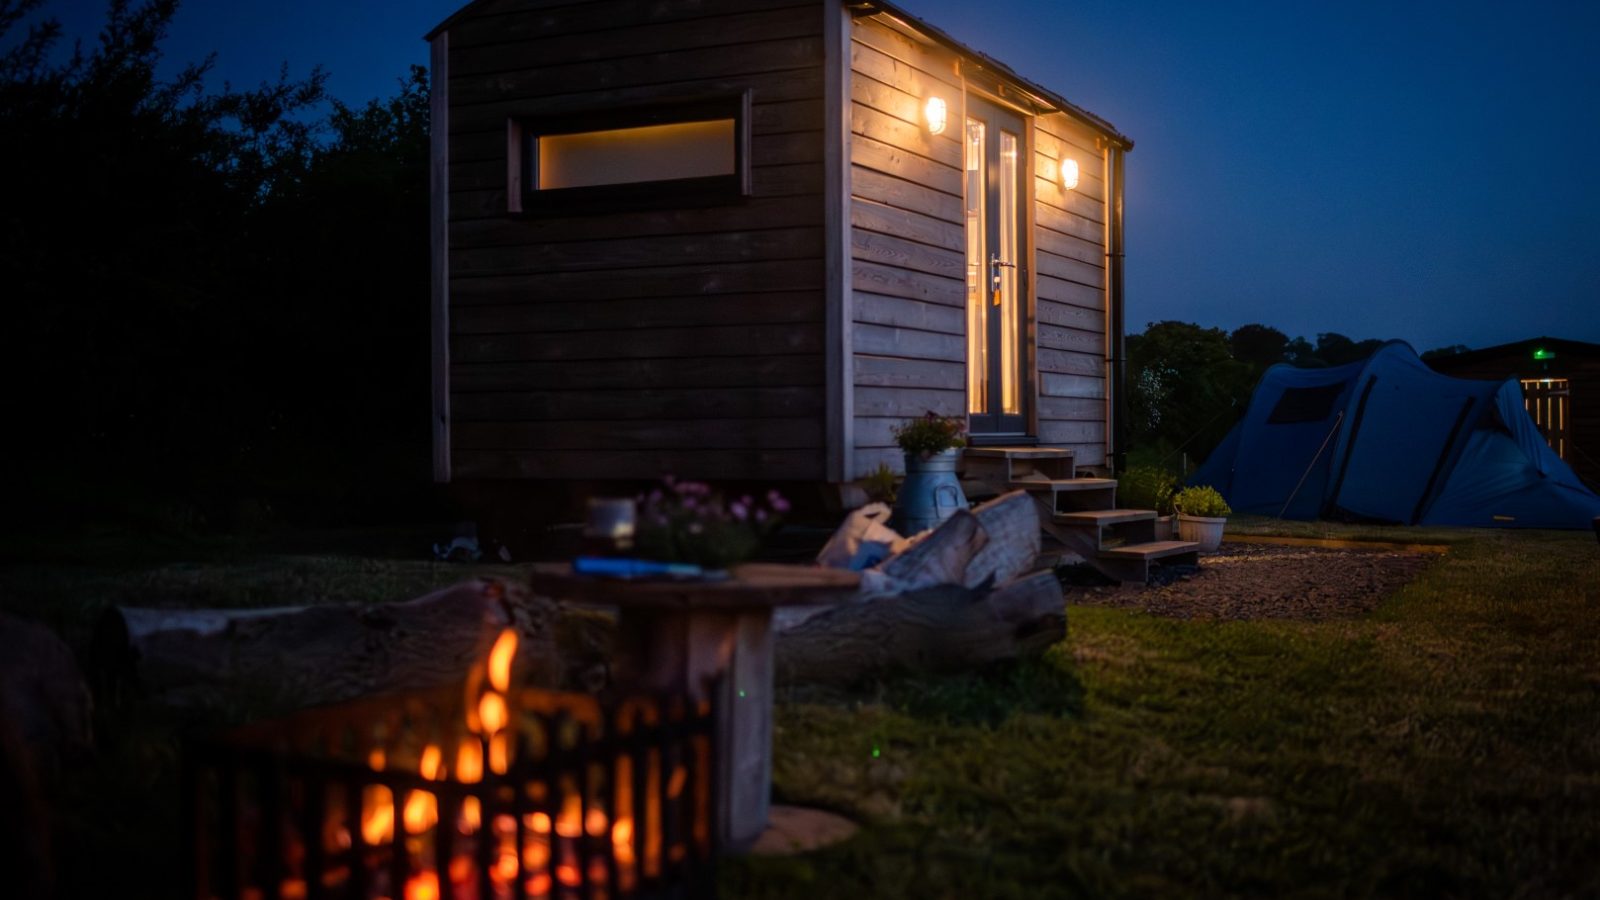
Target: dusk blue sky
x=1423 y=171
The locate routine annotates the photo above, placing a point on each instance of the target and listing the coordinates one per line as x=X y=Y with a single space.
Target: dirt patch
x=1267 y=581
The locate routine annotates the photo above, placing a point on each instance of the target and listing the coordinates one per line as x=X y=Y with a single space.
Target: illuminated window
x=1546 y=400
x=677 y=154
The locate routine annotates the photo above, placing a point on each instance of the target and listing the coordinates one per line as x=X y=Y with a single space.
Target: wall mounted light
x=934 y=111
x=1069 y=174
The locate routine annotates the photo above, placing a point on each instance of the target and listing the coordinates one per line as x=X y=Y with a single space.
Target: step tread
x=1152 y=550
x=1021 y=452
x=1062 y=484
x=1104 y=516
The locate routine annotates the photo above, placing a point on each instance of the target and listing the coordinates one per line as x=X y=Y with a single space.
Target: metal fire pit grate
x=445 y=797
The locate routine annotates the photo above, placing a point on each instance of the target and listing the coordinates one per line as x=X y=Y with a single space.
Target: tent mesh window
x=1312 y=404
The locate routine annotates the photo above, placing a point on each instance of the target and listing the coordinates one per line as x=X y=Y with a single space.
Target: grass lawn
x=1447 y=745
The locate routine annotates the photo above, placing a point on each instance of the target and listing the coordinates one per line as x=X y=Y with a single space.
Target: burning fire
x=421 y=812
x=377 y=815
x=501 y=656
x=431 y=766
x=469 y=761
x=541 y=852
x=492 y=712
x=424 y=886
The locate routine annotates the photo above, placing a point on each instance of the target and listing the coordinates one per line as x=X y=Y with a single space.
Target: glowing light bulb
x=1069 y=174
x=936 y=113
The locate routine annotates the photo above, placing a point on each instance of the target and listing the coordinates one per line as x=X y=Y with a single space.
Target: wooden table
x=680 y=635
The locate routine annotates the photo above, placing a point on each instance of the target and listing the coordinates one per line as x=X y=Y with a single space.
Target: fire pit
x=478 y=795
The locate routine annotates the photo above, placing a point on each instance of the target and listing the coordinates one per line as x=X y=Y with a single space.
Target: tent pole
x=1307 y=473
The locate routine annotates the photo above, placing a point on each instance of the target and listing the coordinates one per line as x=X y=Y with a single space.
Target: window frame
x=524 y=198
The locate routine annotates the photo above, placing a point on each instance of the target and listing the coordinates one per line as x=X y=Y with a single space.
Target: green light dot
x=741 y=693
x=874 y=751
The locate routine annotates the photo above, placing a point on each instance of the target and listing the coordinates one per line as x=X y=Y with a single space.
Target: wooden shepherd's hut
x=742 y=239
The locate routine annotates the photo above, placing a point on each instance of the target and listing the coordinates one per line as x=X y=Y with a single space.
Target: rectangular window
x=977 y=192
x=671 y=154
x=634 y=155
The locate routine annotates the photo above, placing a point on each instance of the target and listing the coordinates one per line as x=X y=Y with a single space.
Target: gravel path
x=1271 y=581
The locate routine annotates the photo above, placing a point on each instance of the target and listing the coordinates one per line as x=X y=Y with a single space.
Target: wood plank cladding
x=908 y=240
x=638 y=342
x=1070 y=296
x=908 y=244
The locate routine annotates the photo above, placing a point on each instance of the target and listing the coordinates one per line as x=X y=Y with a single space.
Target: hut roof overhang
x=921 y=29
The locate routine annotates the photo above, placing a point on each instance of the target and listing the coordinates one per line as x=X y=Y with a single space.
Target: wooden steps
x=1105 y=517
x=1154 y=550
x=1080 y=513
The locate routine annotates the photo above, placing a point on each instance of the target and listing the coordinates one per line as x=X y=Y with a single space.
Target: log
x=1010 y=523
x=940 y=557
x=943 y=628
x=291 y=657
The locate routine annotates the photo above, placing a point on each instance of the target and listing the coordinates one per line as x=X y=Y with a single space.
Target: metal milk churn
x=931 y=492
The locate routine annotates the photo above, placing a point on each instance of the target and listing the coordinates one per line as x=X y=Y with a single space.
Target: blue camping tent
x=1387 y=439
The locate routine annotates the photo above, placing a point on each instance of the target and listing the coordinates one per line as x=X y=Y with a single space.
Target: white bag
x=864 y=540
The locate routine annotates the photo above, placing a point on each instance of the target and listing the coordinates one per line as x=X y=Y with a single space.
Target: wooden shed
x=742 y=239
x=1560 y=388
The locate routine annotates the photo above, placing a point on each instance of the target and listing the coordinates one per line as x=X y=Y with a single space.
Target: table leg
x=685 y=651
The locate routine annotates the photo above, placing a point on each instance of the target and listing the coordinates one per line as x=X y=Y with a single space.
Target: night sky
x=1422 y=171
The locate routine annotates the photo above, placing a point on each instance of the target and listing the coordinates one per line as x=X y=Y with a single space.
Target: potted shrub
x=931 y=491
x=1149 y=487
x=1201 y=514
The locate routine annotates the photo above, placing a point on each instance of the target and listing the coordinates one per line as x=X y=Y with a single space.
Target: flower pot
x=1203 y=530
x=930 y=493
x=1166 y=528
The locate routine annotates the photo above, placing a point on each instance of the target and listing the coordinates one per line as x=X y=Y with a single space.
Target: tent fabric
x=1388 y=439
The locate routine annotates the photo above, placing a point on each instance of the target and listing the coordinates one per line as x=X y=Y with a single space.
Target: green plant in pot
x=931 y=434
x=1202 y=513
x=1149 y=487
x=931 y=491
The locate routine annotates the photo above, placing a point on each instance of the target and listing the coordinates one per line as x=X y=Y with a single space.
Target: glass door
x=996 y=280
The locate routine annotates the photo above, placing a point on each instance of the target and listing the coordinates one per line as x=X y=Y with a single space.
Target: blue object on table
x=613 y=567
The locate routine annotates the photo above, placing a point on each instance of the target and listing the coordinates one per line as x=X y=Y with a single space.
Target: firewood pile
x=959 y=596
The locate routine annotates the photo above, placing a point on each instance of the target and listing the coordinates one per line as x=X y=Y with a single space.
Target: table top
x=750 y=585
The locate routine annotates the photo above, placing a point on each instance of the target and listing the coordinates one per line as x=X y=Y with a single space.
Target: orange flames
x=542 y=859
x=469 y=761
x=431 y=766
x=492 y=712
x=377 y=815
x=501 y=656
x=424 y=886
x=421 y=812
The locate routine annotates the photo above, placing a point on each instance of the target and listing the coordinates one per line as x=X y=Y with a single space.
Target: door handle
x=995 y=265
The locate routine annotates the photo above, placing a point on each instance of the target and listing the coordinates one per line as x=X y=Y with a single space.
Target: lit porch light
x=1069 y=174
x=935 y=112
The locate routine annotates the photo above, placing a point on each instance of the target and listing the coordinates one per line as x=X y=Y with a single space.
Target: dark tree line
x=1188 y=384
x=216 y=299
